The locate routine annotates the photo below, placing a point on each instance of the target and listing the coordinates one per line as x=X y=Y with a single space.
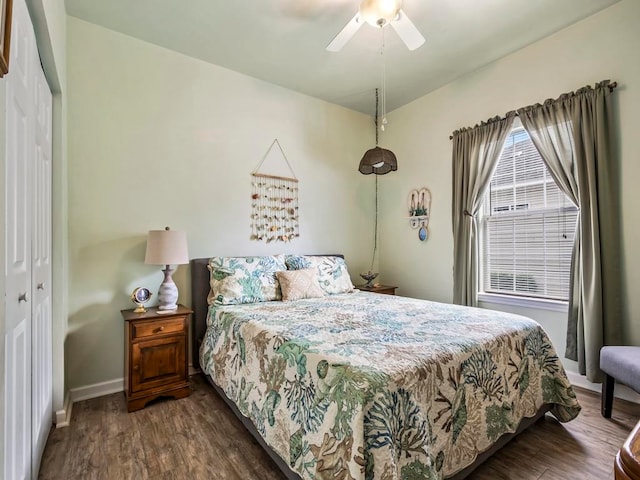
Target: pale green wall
x=56 y=18
x=602 y=46
x=157 y=138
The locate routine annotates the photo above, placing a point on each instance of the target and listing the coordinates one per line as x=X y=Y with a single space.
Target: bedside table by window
x=384 y=289
x=155 y=355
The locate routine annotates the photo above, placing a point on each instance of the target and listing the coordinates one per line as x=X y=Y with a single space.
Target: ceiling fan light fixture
x=378 y=13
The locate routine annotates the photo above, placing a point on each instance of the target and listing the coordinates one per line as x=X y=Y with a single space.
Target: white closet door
x=19 y=162
x=41 y=374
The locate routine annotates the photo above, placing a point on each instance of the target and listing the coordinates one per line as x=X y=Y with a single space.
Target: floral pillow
x=333 y=275
x=237 y=280
x=299 y=284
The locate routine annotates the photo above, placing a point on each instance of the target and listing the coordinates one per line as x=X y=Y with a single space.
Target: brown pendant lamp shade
x=378 y=160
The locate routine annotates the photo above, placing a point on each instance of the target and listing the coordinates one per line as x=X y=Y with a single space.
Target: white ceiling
x=283 y=41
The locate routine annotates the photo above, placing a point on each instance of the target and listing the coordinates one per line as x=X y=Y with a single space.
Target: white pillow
x=333 y=275
x=299 y=284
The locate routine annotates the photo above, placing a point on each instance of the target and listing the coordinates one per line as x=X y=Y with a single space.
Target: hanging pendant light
x=378 y=160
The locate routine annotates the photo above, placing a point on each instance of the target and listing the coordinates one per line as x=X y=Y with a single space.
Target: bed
x=364 y=386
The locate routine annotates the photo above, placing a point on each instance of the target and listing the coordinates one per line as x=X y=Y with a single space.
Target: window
x=527 y=226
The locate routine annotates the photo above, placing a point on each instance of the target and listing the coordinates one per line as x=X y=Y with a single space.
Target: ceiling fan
x=379 y=13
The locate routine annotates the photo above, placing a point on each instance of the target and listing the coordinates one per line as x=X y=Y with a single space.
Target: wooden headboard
x=199 y=291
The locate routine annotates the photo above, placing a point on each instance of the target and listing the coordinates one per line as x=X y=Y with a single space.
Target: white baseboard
x=63 y=417
x=96 y=390
x=621 y=391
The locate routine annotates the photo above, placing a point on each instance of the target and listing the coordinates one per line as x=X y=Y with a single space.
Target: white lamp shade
x=166 y=247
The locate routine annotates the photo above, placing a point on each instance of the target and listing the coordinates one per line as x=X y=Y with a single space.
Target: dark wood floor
x=199 y=438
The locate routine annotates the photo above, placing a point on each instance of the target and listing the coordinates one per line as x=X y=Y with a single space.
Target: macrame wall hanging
x=274 y=203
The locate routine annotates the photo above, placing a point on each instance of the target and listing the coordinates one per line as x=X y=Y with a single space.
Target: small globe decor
x=369 y=277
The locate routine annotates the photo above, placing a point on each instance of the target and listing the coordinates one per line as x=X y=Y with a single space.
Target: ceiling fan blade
x=407 y=31
x=345 y=34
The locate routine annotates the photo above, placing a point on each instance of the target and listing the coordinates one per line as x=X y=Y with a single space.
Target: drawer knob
x=23 y=297
x=41 y=286
x=159 y=329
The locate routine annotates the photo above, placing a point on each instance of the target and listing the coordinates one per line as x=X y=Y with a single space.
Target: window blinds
x=527 y=227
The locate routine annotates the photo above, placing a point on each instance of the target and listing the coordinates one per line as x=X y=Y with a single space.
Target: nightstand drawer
x=158 y=327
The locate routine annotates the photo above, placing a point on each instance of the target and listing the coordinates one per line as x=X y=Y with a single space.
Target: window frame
x=524 y=302
x=504 y=298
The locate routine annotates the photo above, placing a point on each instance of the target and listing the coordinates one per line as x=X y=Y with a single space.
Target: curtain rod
x=612 y=86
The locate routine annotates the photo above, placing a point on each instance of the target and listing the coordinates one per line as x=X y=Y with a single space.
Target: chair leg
x=607 y=395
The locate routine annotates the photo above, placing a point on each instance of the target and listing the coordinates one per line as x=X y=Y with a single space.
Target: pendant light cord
x=383 y=93
x=375 y=119
x=375 y=230
x=375 y=224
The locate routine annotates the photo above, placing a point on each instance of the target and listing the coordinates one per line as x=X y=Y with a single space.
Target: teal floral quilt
x=368 y=386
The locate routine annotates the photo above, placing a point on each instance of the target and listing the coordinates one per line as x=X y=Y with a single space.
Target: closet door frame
x=41 y=312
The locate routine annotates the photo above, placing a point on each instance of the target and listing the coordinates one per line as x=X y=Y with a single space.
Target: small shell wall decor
x=274 y=204
x=419 y=206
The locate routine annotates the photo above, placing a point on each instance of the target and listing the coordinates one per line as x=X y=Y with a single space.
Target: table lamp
x=167 y=247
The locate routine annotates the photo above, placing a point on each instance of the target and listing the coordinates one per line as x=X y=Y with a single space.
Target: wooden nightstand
x=155 y=358
x=384 y=289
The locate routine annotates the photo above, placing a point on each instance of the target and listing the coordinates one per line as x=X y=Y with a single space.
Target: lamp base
x=167 y=293
x=166 y=311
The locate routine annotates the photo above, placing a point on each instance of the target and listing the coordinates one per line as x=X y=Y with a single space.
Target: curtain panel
x=573 y=135
x=475 y=155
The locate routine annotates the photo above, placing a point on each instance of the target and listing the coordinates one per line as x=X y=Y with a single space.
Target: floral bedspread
x=364 y=386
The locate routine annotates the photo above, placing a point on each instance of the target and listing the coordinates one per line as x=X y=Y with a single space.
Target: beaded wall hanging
x=274 y=204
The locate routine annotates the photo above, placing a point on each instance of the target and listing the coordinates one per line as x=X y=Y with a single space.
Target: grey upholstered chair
x=622 y=364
